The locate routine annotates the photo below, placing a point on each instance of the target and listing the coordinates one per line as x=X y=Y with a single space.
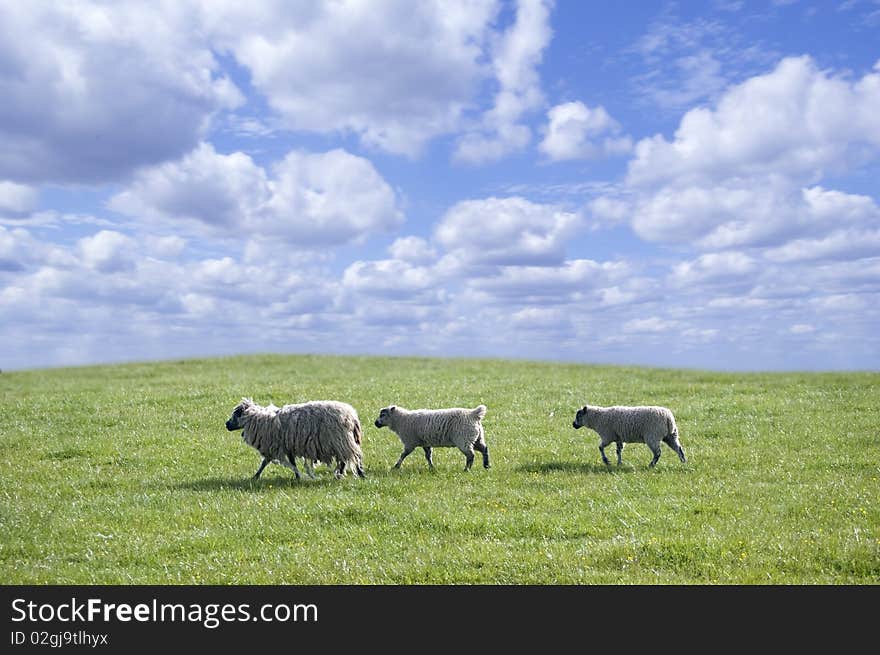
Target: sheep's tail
x=358 y=434
x=478 y=412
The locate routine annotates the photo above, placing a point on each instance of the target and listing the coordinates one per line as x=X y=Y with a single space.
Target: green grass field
x=126 y=474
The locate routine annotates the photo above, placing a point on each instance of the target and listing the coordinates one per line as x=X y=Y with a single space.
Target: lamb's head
x=580 y=419
x=385 y=416
x=237 y=420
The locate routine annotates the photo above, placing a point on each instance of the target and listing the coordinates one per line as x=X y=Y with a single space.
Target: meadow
x=126 y=475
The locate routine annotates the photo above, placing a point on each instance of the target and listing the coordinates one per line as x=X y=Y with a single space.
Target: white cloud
x=326 y=198
x=715 y=216
x=650 y=325
x=840 y=244
x=389 y=278
x=77 y=79
x=412 y=249
x=393 y=72
x=745 y=173
x=743 y=214
x=724 y=267
x=309 y=199
x=220 y=190
x=796 y=121
x=17 y=198
x=19 y=250
x=575 y=131
x=107 y=251
x=568 y=282
x=506 y=231
x=541 y=319
x=516 y=55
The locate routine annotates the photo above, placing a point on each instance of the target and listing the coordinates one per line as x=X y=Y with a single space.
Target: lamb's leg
x=406 y=451
x=484 y=449
x=655 y=448
x=427 y=450
x=619 y=453
x=469 y=457
x=263 y=465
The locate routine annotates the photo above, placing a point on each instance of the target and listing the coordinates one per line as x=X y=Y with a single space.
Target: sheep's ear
x=392 y=408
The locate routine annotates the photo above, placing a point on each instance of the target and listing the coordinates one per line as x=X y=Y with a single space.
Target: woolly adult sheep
x=430 y=428
x=641 y=424
x=317 y=431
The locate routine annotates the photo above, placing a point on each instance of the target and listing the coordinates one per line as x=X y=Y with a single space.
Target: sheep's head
x=236 y=421
x=580 y=419
x=385 y=416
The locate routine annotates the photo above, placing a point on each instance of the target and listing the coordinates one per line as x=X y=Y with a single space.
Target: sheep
x=429 y=428
x=649 y=425
x=317 y=431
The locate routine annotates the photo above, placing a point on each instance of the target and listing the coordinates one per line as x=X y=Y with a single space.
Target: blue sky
x=687 y=184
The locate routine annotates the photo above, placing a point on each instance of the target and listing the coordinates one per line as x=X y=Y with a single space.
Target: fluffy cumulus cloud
x=570 y=282
x=796 y=120
x=308 y=199
x=206 y=186
x=107 y=251
x=17 y=199
x=74 y=90
x=506 y=231
x=412 y=249
x=745 y=173
x=393 y=73
x=575 y=131
x=515 y=58
x=332 y=67
x=717 y=268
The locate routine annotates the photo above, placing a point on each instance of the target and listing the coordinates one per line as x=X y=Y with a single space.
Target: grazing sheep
x=428 y=428
x=317 y=431
x=648 y=425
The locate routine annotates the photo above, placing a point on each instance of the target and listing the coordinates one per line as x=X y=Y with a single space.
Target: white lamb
x=427 y=428
x=648 y=425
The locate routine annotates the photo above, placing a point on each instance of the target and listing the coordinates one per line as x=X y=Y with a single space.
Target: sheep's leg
x=263 y=465
x=340 y=470
x=310 y=468
x=427 y=450
x=406 y=451
x=680 y=452
x=359 y=469
x=469 y=458
x=484 y=449
x=290 y=463
x=619 y=453
x=655 y=448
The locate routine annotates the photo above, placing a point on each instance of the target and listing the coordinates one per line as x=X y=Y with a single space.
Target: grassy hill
x=126 y=474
